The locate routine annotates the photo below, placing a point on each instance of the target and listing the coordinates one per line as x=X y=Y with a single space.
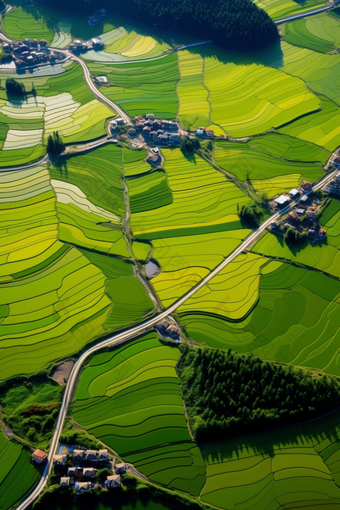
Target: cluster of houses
x=32 y=52
x=202 y=132
x=334 y=186
x=302 y=193
x=83 y=472
x=78 y=46
x=96 y=18
x=303 y=218
x=160 y=131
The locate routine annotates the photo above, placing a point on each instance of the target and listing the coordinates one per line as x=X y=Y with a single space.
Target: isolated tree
x=15 y=88
x=55 y=145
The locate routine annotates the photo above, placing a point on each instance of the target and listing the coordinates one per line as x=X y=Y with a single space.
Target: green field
x=277 y=311
x=17 y=474
x=292 y=468
x=318 y=33
x=130 y=398
x=255 y=162
x=144 y=87
x=278 y=9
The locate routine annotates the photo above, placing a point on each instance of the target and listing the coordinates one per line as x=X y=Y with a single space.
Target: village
x=32 y=52
x=79 y=468
x=304 y=218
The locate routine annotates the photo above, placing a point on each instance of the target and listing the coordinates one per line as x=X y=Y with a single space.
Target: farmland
x=281 y=8
x=319 y=33
x=294 y=467
x=130 y=398
x=273 y=174
x=17 y=475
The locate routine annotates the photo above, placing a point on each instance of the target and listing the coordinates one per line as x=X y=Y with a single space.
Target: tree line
x=231 y=24
x=228 y=393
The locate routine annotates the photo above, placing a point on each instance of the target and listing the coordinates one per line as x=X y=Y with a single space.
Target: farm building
x=39 y=456
x=97 y=42
x=72 y=471
x=113 y=481
x=293 y=216
x=91 y=456
x=103 y=456
x=102 y=80
x=78 y=455
x=200 y=132
x=65 y=481
x=59 y=460
x=304 y=199
x=282 y=200
x=83 y=486
x=306 y=185
x=294 y=193
x=89 y=472
x=120 y=468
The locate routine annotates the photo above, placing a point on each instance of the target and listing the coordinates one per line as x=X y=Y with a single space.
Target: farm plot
x=265 y=172
x=295 y=318
x=294 y=467
x=194 y=107
x=130 y=398
x=149 y=192
x=319 y=71
x=318 y=33
x=32 y=21
x=249 y=98
x=17 y=475
x=186 y=260
x=134 y=163
x=144 y=87
x=278 y=9
x=321 y=128
x=203 y=201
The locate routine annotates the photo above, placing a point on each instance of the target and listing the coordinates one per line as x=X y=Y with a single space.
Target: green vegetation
x=30 y=408
x=293 y=236
x=55 y=145
x=130 y=398
x=228 y=393
x=293 y=467
x=251 y=214
x=319 y=33
x=17 y=474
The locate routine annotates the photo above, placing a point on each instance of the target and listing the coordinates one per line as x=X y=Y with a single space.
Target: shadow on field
x=272 y=56
x=60 y=164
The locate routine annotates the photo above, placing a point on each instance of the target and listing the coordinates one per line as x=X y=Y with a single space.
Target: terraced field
x=194 y=107
x=134 y=163
x=144 y=87
x=249 y=98
x=273 y=174
x=34 y=22
x=278 y=9
x=275 y=310
x=130 y=398
x=294 y=467
x=203 y=201
x=83 y=187
x=17 y=475
x=318 y=33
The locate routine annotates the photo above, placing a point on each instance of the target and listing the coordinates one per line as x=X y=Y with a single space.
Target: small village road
x=307 y=13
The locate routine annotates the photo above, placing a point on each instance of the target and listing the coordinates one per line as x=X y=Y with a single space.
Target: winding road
x=149 y=324
x=307 y=13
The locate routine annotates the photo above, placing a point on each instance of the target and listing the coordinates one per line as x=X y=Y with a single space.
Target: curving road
x=131 y=333
x=307 y=13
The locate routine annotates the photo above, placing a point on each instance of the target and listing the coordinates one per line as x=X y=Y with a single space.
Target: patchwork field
x=54 y=298
x=130 y=398
x=294 y=467
x=134 y=163
x=278 y=9
x=278 y=311
x=318 y=33
x=249 y=98
x=17 y=475
x=272 y=174
x=34 y=22
x=144 y=87
x=194 y=107
x=186 y=260
x=203 y=201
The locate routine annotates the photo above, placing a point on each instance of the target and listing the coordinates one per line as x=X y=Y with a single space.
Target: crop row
x=131 y=399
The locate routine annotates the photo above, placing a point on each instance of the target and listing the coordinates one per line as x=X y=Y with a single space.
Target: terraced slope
x=292 y=468
x=277 y=311
x=318 y=33
x=144 y=87
x=130 y=398
x=278 y=9
x=17 y=474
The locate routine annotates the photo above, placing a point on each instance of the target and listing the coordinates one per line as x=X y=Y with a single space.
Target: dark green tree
x=15 y=88
x=55 y=144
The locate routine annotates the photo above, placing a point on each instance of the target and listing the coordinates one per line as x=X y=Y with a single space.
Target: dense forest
x=228 y=393
x=233 y=24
